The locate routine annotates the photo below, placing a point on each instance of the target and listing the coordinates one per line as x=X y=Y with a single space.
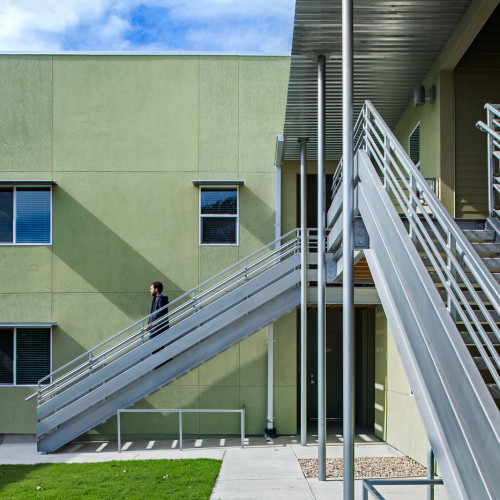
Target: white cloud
x=230 y=25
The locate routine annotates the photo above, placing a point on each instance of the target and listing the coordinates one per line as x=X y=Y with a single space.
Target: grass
x=144 y=479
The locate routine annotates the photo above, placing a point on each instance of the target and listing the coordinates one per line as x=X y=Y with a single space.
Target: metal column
x=348 y=249
x=303 y=291
x=321 y=274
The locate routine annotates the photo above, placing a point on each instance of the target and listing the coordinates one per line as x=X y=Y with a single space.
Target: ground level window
x=25 y=355
x=25 y=215
x=219 y=216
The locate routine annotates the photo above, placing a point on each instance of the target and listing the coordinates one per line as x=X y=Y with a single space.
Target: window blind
x=33 y=215
x=32 y=355
x=219 y=201
x=218 y=230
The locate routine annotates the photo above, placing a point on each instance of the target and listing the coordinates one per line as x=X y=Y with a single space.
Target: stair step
x=494 y=315
x=468 y=339
x=486 y=249
x=479 y=235
x=481 y=363
x=437 y=282
x=494 y=391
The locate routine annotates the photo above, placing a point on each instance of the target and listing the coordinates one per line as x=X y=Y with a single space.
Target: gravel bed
x=366 y=467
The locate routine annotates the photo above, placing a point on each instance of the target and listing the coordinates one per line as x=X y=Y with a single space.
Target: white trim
x=234 y=216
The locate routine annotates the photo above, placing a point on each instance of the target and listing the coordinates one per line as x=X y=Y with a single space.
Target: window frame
x=23 y=186
x=229 y=216
x=417 y=126
x=14 y=353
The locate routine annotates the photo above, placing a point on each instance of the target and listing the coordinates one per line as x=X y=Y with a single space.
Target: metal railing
x=448 y=255
x=181 y=411
x=369 y=485
x=179 y=309
x=492 y=128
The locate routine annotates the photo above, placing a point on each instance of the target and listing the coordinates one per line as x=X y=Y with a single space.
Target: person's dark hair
x=158 y=285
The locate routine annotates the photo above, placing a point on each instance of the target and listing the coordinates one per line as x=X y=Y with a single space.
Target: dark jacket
x=158 y=302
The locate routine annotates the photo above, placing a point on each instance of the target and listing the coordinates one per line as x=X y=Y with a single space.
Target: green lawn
x=114 y=480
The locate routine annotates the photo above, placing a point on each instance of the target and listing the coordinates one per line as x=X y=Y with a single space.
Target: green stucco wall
x=124 y=137
x=397 y=419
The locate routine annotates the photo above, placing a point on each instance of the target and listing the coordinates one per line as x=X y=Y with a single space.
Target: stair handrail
x=418 y=203
x=137 y=333
x=492 y=128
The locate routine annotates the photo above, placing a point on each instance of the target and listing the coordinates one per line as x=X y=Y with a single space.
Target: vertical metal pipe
x=321 y=274
x=491 y=167
x=303 y=292
x=348 y=248
x=270 y=377
x=430 y=473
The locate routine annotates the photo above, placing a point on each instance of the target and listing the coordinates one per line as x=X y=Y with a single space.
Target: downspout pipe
x=303 y=291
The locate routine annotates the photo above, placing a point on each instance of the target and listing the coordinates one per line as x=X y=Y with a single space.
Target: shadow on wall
x=257 y=217
x=99 y=256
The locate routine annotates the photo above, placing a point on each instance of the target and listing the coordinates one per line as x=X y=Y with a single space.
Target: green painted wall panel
x=124 y=232
x=121 y=113
x=262 y=94
x=25 y=269
x=26 y=110
x=219 y=112
x=26 y=308
x=253 y=360
x=17 y=416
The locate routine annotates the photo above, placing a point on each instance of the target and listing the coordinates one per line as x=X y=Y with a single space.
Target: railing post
x=90 y=362
x=452 y=248
x=119 y=432
x=243 y=427
x=412 y=205
x=491 y=166
x=180 y=430
x=430 y=474
x=142 y=331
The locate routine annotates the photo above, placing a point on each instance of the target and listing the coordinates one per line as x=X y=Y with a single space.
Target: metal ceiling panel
x=395 y=45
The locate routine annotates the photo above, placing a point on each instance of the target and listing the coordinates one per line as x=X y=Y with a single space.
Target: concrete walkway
x=261 y=470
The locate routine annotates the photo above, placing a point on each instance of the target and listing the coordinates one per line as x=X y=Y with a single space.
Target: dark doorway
x=364 y=326
x=312 y=198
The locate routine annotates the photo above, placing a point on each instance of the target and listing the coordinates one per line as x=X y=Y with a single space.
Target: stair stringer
x=134 y=384
x=460 y=417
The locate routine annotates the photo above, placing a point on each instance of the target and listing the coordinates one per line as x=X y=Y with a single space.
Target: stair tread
x=479 y=235
x=468 y=339
x=494 y=391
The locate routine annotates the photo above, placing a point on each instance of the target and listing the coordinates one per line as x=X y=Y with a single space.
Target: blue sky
x=259 y=26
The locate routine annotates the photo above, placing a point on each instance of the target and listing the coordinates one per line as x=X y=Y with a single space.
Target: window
x=25 y=215
x=24 y=355
x=414 y=146
x=218 y=216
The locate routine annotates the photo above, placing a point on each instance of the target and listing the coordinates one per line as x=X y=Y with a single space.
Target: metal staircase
x=441 y=300
x=492 y=128
x=202 y=323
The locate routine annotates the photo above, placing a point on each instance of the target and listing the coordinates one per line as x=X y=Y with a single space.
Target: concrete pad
x=279 y=489
x=251 y=463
